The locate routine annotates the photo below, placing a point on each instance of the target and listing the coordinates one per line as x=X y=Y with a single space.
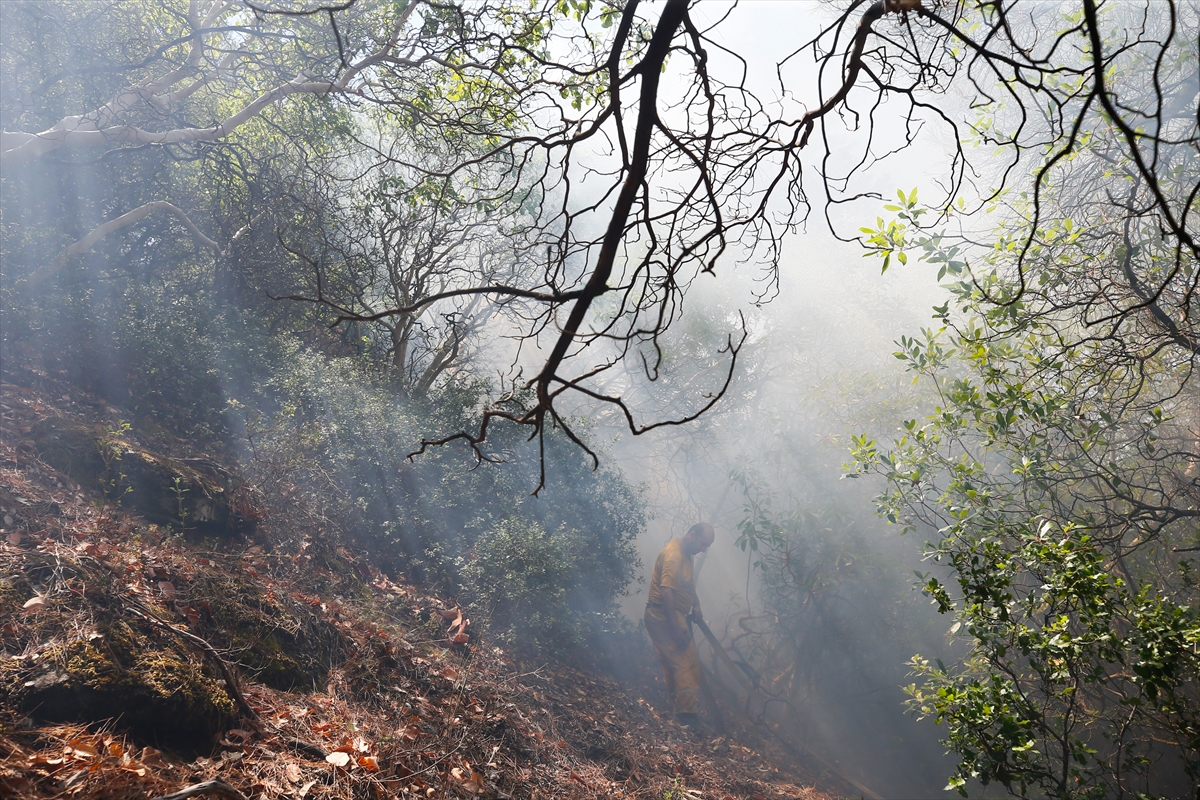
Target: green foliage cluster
x=338 y=439
x=1082 y=618
x=1057 y=478
x=524 y=579
x=1057 y=475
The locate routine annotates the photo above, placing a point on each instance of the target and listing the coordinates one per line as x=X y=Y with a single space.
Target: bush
x=338 y=439
x=525 y=579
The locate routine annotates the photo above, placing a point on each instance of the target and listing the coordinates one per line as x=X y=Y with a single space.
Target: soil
x=122 y=635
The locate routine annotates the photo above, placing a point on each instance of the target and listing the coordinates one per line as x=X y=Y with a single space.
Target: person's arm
x=666 y=596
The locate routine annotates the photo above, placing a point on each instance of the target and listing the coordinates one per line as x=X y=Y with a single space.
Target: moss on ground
x=165 y=491
x=277 y=641
x=159 y=692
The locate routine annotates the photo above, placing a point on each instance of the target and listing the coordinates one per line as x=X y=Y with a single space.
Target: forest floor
x=115 y=633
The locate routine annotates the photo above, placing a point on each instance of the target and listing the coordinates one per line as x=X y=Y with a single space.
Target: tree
x=394 y=243
x=1086 y=128
x=696 y=170
x=198 y=55
x=736 y=170
x=1064 y=506
x=1058 y=475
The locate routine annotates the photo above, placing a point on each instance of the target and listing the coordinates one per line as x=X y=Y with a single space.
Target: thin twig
x=219 y=788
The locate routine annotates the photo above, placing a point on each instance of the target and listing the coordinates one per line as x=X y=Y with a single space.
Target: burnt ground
x=123 y=642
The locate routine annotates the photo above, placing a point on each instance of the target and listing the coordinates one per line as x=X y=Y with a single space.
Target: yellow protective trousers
x=681 y=665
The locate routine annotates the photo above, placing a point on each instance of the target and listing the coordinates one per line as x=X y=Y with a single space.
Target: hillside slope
x=124 y=647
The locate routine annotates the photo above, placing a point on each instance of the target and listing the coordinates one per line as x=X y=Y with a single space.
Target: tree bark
x=51 y=269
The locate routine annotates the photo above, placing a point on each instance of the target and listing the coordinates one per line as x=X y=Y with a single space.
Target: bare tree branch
x=89 y=241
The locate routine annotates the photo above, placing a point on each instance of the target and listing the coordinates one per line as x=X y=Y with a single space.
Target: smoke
x=822 y=607
x=828 y=608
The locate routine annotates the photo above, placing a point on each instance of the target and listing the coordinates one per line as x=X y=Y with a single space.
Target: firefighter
x=672 y=598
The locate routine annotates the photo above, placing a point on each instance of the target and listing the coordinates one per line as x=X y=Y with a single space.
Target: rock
x=47 y=681
x=163 y=695
x=280 y=643
x=166 y=491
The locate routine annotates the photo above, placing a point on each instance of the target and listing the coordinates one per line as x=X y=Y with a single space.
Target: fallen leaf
x=371 y=763
x=450 y=673
x=82 y=748
x=35 y=604
x=292 y=773
x=410 y=732
x=150 y=756
x=304 y=789
x=14 y=538
x=474 y=784
x=338 y=758
x=167 y=589
x=458 y=630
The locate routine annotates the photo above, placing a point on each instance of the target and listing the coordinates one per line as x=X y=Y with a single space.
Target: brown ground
x=353 y=688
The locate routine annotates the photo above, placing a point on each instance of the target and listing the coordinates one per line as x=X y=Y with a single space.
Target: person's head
x=698 y=538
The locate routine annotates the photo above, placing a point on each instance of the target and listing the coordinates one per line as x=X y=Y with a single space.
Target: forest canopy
x=412 y=228
x=501 y=109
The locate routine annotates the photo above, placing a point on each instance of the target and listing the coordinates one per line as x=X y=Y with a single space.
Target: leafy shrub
x=338 y=437
x=525 y=579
